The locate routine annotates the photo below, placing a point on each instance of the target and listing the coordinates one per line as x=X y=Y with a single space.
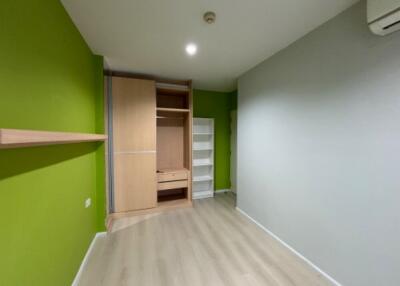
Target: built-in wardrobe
x=150 y=146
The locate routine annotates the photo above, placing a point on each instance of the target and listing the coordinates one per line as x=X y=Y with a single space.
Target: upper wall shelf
x=14 y=138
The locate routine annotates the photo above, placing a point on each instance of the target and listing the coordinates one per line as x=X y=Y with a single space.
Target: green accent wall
x=50 y=80
x=218 y=105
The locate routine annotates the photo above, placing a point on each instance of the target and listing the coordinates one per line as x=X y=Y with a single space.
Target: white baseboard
x=203 y=195
x=85 y=259
x=208 y=194
x=222 y=191
x=319 y=270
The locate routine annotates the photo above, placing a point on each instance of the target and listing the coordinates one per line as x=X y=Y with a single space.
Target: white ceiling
x=149 y=36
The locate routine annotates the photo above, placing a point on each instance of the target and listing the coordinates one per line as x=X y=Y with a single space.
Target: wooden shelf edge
x=16 y=138
x=173 y=86
x=163 y=171
x=173 y=110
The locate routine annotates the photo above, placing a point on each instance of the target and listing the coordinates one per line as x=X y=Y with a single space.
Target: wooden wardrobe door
x=134 y=114
x=134 y=144
x=135 y=182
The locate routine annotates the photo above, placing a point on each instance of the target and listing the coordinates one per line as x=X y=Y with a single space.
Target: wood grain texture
x=135 y=181
x=176 y=110
x=211 y=244
x=134 y=114
x=189 y=141
x=172 y=185
x=172 y=175
x=15 y=138
x=106 y=155
x=161 y=81
x=134 y=144
x=170 y=143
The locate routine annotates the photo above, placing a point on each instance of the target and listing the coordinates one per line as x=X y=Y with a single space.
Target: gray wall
x=319 y=149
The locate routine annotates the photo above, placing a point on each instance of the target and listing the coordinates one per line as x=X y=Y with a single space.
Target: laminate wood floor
x=211 y=244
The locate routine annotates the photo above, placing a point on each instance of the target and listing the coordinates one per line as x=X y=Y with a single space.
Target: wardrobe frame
x=108 y=116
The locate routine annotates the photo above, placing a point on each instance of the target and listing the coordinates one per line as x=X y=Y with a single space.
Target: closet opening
x=171 y=195
x=177 y=99
x=173 y=144
x=150 y=163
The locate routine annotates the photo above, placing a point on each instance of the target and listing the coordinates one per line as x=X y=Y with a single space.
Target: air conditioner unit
x=383 y=16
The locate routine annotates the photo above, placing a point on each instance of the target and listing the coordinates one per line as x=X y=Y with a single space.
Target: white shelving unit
x=203 y=158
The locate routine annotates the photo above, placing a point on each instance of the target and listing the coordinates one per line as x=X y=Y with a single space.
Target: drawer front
x=177 y=176
x=172 y=185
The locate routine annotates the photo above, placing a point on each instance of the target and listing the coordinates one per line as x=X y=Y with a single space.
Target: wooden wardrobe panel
x=170 y=143
x=134 y=114
x=135 y=181
x=189 y=143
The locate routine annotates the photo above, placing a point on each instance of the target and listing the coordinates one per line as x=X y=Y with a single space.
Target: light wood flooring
x=209 y=245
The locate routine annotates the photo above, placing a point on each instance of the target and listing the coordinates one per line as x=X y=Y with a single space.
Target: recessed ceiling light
x=191 y=49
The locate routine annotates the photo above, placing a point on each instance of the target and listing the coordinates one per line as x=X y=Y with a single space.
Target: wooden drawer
x=172 y=185
x=172 y=176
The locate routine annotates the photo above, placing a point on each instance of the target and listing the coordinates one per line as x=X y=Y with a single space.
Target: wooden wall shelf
x=15 y=138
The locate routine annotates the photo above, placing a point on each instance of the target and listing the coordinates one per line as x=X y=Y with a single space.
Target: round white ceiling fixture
x=191 y=49
x=209 y=17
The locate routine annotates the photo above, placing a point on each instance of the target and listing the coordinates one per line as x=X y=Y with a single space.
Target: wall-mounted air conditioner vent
x=383 y=16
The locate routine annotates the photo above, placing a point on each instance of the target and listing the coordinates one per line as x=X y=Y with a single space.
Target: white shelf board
x=202 y=178
x=203 y=194
x=202 y=164
x=203 y=154
x=203 y=149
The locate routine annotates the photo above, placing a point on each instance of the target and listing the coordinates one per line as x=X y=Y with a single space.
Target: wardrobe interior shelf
x=168 y=117
x=173 y=88
x=14 y=138
x=172 y=170
x=170 y=91
x=177 y=110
